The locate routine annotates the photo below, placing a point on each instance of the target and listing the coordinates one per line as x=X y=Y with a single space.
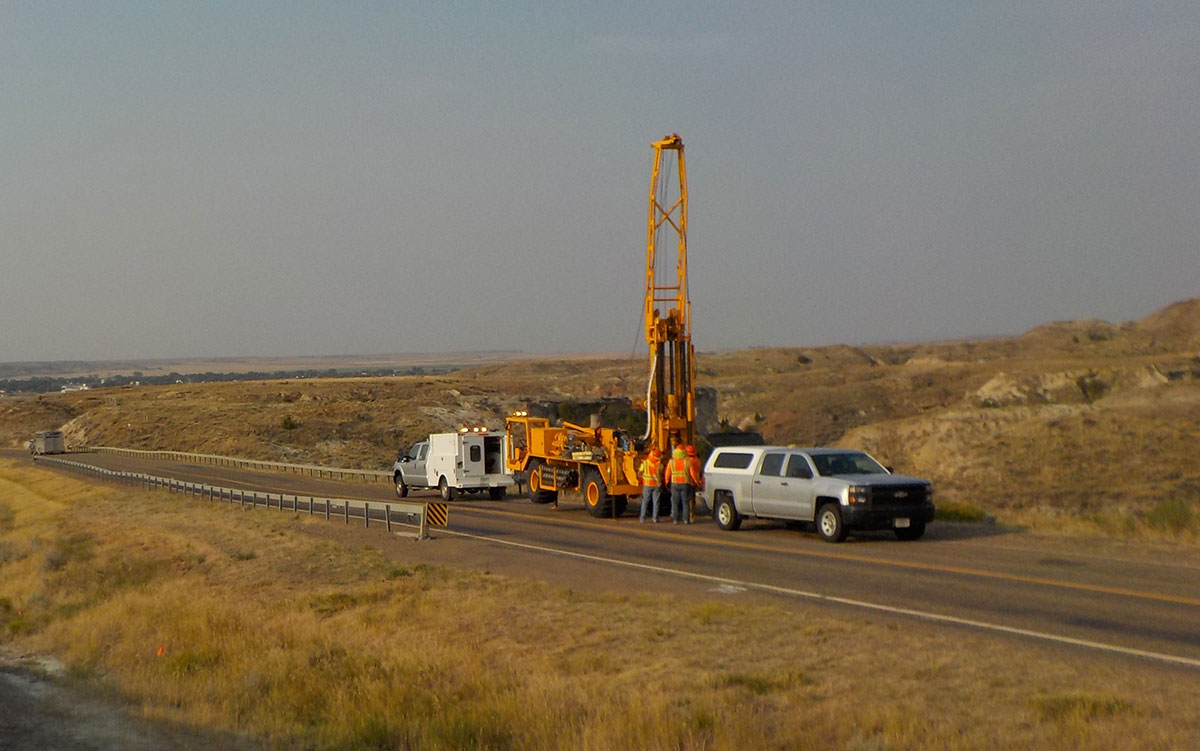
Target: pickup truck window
x=732 y=460
x=849 y=463
x=772 y=465
x=424 y=452
x=798 y=467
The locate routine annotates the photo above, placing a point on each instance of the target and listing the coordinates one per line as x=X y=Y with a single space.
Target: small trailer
x=47 y=442
x=470 y=461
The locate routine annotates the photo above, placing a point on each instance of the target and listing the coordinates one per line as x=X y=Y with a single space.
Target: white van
x=464 y=462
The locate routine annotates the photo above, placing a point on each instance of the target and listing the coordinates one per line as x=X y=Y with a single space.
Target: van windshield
x=848 y=463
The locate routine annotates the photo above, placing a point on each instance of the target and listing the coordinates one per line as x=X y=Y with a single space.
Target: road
x=1123 y=599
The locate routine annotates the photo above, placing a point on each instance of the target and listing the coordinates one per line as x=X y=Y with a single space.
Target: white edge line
x=1174 y=659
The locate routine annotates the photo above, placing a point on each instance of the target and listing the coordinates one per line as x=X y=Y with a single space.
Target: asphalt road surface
x=1131 y=601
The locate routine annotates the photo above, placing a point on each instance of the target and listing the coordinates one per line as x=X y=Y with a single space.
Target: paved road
x=1093 y=594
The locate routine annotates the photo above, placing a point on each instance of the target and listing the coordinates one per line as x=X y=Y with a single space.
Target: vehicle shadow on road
x=942 y=532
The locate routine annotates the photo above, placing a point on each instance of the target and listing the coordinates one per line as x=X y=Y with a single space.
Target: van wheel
x=445 y=491
x=727 y=515
x=595 y=494
x=496 y=494
x=401 y=488
x=536 y=494
x=829 y=523
x=911 y=532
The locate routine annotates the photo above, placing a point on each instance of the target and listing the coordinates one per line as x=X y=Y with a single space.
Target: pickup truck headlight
x=858 y=494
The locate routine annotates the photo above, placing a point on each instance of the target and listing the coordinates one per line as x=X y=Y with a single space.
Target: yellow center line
x=851 y=557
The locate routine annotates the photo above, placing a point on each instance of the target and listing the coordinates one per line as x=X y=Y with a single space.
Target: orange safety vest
x=694 y=469
x=679 y=471
x=650 y=472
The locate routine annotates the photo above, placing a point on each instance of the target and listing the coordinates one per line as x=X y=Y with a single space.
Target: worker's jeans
x=679 y=502
x=650 y=496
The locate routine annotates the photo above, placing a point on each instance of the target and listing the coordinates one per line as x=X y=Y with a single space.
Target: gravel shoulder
x=41 y=709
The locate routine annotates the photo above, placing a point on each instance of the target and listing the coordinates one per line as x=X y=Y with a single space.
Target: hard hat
x=691 y=450
x=655 y=452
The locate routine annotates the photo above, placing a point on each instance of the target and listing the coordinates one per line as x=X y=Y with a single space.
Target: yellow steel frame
x=670 y=394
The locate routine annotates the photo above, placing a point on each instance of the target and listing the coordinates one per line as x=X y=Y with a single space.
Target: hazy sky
x=289 y=178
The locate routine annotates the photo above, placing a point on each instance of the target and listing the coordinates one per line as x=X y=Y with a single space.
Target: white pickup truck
x=838 y=489
x=464 y=462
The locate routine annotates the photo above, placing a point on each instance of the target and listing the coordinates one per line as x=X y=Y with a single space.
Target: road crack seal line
x=921 y=614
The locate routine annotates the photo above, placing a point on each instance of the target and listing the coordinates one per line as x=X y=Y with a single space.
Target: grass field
x=309 y=635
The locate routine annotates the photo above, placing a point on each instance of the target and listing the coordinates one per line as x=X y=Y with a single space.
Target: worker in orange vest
x=677 y=472
x=651 y=472
x=695 y=480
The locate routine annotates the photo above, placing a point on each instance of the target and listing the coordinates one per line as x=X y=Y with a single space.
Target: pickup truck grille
x=899 y=496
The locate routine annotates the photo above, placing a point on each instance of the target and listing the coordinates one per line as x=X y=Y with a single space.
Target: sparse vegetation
x=1058 y=428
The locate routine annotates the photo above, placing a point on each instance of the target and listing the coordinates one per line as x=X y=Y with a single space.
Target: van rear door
x=472 y=456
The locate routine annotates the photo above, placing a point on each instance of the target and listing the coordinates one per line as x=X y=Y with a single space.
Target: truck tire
x=829 y=523
x=595 y=494
x=496 y=494
x=726 y=514
x=536 y=494
x=401 y=487
x=445 y=491
x=912 y=532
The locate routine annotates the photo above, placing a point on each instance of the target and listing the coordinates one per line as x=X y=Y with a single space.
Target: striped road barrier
x=408 y=518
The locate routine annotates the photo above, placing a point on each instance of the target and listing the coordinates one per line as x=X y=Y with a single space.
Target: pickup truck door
x=798 y=479
x=414 y=469
x=770 y=491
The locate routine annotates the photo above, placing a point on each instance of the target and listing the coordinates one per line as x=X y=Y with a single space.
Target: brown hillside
x=1093 y=420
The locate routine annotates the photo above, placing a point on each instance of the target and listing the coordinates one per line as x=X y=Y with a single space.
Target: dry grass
x=1081 y=427
x=272 y=631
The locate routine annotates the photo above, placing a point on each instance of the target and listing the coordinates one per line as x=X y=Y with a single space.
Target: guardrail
x=401 y=514
x=313 y=470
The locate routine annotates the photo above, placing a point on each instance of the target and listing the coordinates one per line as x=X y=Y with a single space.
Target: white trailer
x=465 y=462
x=47 y=442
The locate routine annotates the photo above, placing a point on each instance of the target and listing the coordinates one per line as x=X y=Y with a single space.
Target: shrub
x=1173 y=515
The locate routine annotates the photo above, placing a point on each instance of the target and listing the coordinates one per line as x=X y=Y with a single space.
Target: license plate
x=902 y=523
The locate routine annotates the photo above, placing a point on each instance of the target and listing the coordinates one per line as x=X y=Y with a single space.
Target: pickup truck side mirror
x=890 y=470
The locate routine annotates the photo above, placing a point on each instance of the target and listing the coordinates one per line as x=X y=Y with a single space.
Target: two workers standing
x=682 y=475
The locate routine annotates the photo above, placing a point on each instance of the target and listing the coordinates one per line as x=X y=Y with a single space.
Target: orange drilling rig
x=602 y=463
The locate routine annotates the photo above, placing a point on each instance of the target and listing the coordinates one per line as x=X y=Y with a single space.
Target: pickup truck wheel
x=727 y=516
x=401 y=488
x=829 y=523
x=536 y=494
x=911 y=532
x=496 y=493
x=595 y=494
x=445 y=491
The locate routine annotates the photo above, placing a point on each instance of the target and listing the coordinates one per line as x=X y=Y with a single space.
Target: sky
x=182 y=179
